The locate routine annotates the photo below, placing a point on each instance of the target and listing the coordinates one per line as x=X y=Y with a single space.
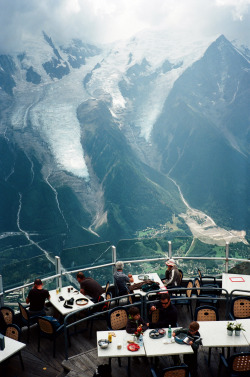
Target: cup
x=57 y=291
x=119 y=346
x=68 y=289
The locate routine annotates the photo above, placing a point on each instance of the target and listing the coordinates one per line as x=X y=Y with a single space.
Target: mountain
x=203 y=134
x=101 y=142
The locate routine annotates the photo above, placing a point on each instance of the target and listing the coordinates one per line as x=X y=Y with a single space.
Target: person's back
x=121 y=280
x=92 y=288
x=36 y=298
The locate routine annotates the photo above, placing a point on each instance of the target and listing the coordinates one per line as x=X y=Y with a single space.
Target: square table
x=151 y=276
x=214 y=334
x=11 y=347
x=230 y=282
x=161 y=347
x=54 y=299
x=246 y=326
x=121 y=337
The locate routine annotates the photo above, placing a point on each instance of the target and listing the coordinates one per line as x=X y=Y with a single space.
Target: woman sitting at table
x=135 y=320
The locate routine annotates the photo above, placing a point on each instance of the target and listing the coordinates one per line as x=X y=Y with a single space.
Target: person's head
x=119 y=265
x=165 y=300
x=194 y=327
x=80 y=276
x=134 y=312
x=38 y=284
x=170 y=264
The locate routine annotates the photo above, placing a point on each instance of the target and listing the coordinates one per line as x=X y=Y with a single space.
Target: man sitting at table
x=89 y=287
x=121 y=279
x=36 y=298
x=172 y=274
x=167 y=312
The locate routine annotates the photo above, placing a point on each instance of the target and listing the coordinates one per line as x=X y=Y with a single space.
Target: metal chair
x=117 y=318
x=7 y=314
x=26 y=319
x=107 y=288
x=240 y=307
x=47 y=330
x=13 y=331
x=206 y=313
x=206 y=297
x=175 y=371
x=185 y=297
x=236 y=365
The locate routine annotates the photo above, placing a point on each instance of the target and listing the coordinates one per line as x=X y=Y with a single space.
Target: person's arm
x=27 y=300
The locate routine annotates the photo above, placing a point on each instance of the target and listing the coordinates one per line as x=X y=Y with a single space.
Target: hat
x=38 y=282
x=170 y=262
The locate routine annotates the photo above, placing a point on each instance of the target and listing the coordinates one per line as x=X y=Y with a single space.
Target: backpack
x=150 y=287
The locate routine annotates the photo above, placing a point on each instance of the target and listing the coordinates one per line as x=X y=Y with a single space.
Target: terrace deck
x=83 y=356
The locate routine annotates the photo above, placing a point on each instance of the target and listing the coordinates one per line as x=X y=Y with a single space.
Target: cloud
x=102 y=21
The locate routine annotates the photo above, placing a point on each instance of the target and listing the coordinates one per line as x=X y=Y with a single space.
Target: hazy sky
x=102 y=21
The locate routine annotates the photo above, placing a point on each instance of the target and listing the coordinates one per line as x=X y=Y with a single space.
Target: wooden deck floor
x=83 y=356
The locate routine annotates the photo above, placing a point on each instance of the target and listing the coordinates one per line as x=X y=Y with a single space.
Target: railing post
x=227 y=256
x=113 y=248
x=169 y=249
x=1 y=291
x=58 y=271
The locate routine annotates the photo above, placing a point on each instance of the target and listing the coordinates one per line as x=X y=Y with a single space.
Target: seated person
x=121 y=279
x=172 y=274
x=135 y=320
x=193 y=333
x=36 y=298
x=89 y=287
x=167 y=312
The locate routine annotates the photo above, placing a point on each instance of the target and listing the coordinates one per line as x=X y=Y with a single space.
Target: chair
x=175 y=371
x=240 y=307
x=207 y=277
x=206 y=313
x=6 y=317
x=107 y=288
x=236 y=365
x=103 y=310
x=207 y=298
x=13 y=331
x=26 y=319
x=117 y=318
x=185 y=297
x=155 y=316
x=47 y=330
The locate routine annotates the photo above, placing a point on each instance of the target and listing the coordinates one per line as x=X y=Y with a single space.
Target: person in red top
x=36 y=298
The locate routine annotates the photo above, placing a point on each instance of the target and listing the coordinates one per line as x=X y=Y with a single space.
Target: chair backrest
x=206 y=313
x=107 y=288
x=176 y=371
x=23 y=311
x=106 y=305
x=181 y=275
x=197 y=284
x=13 y=331
x=240 y=307
x=200 y=274
x=7 y=314
x=155 y=316
x=189 y=291
x=118 y=318
x=240 y=363
x=45 y=325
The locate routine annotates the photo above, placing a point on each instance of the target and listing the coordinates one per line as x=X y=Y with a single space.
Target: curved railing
x=139 y=256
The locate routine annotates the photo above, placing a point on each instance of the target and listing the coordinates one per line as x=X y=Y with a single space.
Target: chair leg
x=54 y=347
x=38 y=342
x=21 y=359
x=209 y=355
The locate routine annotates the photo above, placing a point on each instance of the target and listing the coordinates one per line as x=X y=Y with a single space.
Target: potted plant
x=238 y=327
x=230 y=328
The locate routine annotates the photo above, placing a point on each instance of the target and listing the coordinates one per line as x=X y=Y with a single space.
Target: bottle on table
x=169 y=331
x=140 y=340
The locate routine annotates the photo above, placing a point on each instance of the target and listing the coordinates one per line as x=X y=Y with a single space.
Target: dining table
x=234 y=282
x=12 y=347
x=59 y=300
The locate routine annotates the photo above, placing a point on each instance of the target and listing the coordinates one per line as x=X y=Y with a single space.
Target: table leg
x=129 y=369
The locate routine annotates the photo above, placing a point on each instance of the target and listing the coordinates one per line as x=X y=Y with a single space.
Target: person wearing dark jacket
x=135 y=320
x=195 y=340
x=167 y=312
x=36 y=298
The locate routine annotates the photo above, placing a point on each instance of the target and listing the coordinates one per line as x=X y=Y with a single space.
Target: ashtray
x=143 y=277
x=157 y=333
x=103 y=343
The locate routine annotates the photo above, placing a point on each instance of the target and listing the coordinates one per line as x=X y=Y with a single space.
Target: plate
x=157 y=333
x=133 y=347
x=143 y=277
x=82 y=301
